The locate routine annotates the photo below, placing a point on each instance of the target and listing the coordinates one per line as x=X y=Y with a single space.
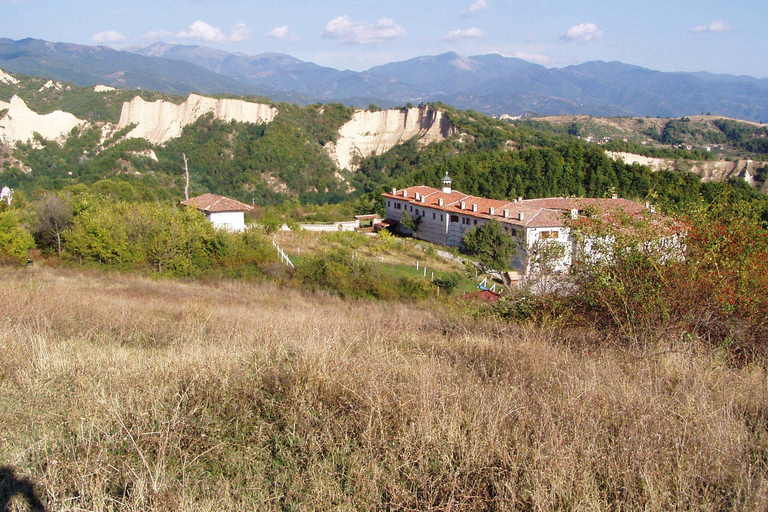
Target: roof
x=213 y=203
x=528 y=213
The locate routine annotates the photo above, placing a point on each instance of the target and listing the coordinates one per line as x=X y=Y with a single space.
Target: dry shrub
x=119 y=393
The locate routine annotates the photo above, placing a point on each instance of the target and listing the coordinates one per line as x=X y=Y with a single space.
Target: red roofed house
x=223 y=212
x=447 y=214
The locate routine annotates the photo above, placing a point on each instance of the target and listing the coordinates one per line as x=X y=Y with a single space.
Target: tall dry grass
x=122 y=393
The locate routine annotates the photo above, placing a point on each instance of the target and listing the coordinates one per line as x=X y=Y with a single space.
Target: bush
x=14 y=240
x=717 y=291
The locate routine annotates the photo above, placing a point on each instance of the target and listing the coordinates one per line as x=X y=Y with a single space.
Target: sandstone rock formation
x=6 y=78
x=103 y=88
x=161 y=121
x=707 y=170
x=373 y=133
x=20 y=123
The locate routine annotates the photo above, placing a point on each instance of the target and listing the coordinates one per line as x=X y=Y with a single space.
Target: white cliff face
x=6 y=78
x=160 y=121
x=20 y=123
x=103 y=88
x=707 y=170
x=373 y=133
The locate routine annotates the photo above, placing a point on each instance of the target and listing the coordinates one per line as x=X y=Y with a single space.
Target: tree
x=54 y=215
x=492 y=246
x=410 y=223
x=14 y=240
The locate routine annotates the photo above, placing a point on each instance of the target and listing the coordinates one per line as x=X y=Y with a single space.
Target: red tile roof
x=213 y=203
x=536 y=213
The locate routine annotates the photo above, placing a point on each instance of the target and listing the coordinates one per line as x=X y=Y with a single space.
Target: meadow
x=121 y=392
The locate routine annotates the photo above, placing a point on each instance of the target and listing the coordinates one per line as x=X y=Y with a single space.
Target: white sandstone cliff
x=20 y=123
x=160 y=121
x=373 y=133
x=707 y=170
x=8 y=79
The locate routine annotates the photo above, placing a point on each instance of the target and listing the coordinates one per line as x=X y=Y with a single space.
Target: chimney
x=647 y=205
x=440 y=202
x=474 y=207
x=519 y=199
x=491 y=210
x=394 y=191
x=506 y=214
x=405 y=193
x=463 y=205
x=418 y=196
x=423 y=199
x=522 y=216
x=574 y=213
x=614 y=196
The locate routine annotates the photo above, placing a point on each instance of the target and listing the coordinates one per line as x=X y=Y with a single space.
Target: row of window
x=466 y=221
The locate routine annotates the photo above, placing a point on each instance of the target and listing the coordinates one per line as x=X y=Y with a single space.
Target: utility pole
x=186 y=176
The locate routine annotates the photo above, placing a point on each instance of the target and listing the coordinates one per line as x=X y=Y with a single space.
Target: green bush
x=15 y=241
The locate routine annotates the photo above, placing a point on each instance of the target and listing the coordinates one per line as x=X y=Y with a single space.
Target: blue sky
x=671 y=35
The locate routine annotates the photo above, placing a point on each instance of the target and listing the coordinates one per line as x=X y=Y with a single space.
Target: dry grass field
x=124 y=393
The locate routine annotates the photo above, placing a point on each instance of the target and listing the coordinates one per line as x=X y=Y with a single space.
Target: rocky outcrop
x=160 y=121
x=707 y=170
x=103 y=88
x=373 y=133
x=7 y=79
x=20 y=123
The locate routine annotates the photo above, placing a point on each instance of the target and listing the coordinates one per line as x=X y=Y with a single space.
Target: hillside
x=156 y=395
x=256 y=150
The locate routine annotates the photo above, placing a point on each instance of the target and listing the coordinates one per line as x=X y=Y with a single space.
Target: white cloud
x=282 y=33
x=479 y=5
x=240 y=34
x=204 y=32
x=362 y=32
x=111 y=36
x=583 y=33
x=713 y=28
x=533 y=57
x=462 y=35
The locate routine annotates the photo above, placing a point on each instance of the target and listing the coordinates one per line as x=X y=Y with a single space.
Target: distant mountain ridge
x=492 y=84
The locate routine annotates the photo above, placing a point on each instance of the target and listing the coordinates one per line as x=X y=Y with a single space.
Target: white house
x=223 y=212
x=446 y=214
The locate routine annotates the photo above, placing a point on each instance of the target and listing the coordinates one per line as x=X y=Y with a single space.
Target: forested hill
x=286 y=159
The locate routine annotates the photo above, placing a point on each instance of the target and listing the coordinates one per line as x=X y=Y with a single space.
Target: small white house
x=223 y=212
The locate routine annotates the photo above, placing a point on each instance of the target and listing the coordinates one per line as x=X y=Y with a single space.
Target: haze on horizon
x=687 y=35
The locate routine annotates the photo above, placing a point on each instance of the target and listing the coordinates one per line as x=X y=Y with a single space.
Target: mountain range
x=492 y=84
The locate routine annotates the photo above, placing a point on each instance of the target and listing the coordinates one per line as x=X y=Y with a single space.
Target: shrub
x=14 y=240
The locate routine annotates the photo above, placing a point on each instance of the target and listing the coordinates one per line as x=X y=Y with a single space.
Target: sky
x=670 y=35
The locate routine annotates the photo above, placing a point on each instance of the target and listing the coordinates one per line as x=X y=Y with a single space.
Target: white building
x=6 y=194
x=223 y=212
x=445 y=215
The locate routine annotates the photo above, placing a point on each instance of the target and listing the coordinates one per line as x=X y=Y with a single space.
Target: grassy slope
x=121 y=393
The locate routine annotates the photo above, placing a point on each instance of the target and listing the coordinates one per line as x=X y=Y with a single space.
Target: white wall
x=231 y=221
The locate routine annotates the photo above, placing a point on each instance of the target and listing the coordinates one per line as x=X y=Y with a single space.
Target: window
x=441 y=216
x=411 y=207
x=454 y=218
x=398 y=206
x=547 y=234
x=388 y=204
x=433 y=215
x=475 y=222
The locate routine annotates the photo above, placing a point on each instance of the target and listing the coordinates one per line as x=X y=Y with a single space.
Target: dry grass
x=120 y=393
